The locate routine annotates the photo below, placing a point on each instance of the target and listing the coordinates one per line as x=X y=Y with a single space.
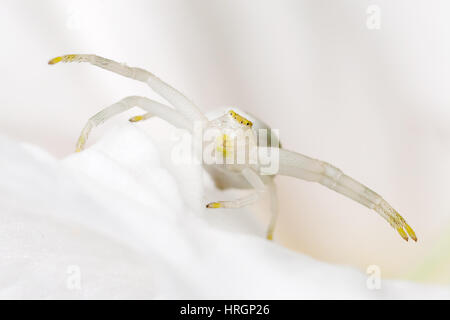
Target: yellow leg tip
x=136 y=118
x=66 y=58
x=269 y=237
x=55 y=60
x=411 y=232
x=213 y=205
x=402 y=233
x=80 y=144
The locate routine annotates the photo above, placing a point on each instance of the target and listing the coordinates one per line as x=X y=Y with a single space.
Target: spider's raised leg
x=300 y=166
x=153 y=107
x=255 y=181
x=173 y=96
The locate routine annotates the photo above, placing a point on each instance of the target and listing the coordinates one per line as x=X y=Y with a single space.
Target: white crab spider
x=185 y=113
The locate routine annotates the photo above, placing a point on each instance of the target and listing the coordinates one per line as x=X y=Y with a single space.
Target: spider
x=245 y=175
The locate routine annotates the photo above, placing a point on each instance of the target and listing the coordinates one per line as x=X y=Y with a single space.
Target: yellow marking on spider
x=66 y=58
x=214 y=205
x=411 y=232
x=80 y=143
x=225 y=145
x=136 y=118
x=240 y=118
x=408 y=229
x=55 y=60
x=402 y=233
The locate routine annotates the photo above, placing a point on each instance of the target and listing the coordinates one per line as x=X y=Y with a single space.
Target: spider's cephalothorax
x=228 y=127
x=233 y=139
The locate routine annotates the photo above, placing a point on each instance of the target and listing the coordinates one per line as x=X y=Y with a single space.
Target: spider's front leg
x=186 y=107
x=259 y=187
x=153 y=107
x=300 y=166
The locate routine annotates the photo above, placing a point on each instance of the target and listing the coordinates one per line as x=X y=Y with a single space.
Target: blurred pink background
x=373 y=102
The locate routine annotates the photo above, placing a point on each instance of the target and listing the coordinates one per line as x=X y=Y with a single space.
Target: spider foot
x=214 y=205
x=140 y=117
x=396 y=221
x=68 y=58
x=136 y=119
x=83 y=138
x=80 y=144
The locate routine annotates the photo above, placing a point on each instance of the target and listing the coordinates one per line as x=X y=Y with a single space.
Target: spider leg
x=259 y=187
x=273 y=210
x=173 y=96
x=153 y=107
x=302 y=167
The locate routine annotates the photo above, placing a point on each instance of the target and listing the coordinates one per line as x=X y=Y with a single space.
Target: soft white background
x=375 y=103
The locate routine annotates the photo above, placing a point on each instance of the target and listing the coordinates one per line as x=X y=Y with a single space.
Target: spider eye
x=242 y=121
x=248 y=123
x=231 y=113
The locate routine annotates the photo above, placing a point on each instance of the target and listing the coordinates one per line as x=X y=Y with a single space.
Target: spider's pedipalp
x=255 y=181
x=259 y=187
x=234 y=204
